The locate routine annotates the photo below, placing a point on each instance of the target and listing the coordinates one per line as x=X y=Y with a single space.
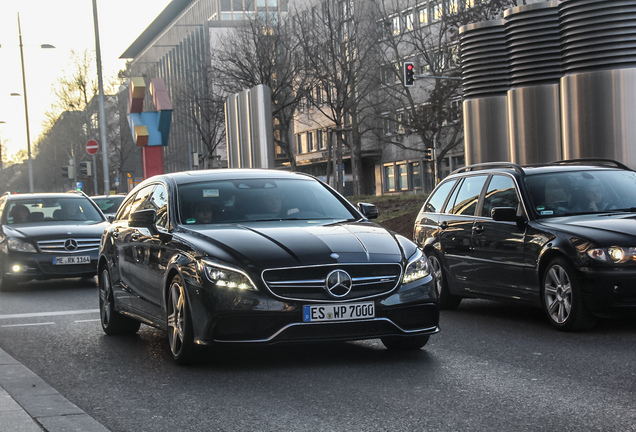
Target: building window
x=453 y=6
x=389 y=178
x=403 y=177
x=422 y=15
x=416 y=174
x=408 y=20
x=299 y=143
x=469 y=4
x=310 y=142
x=438 y=11
x=395 y=24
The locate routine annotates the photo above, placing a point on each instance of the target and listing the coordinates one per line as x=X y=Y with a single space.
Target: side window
x=436 y=201
x=133 y=203
x=3 y=202
x=468 y=195
x=159 y=202
x=501 y=192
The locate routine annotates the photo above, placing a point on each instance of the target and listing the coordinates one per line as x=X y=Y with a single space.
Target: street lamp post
x=1 y=122
x=26 y=106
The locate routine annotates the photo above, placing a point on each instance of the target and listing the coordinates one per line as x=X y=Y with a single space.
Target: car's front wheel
x=405 y=342
x=180 y=333
x=446 y=300
x=113 y=322
x=563 y=299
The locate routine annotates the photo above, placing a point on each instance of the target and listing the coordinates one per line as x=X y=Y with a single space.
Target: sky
x=67 y=25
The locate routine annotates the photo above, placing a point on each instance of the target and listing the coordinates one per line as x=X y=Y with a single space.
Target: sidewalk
x=28 y=404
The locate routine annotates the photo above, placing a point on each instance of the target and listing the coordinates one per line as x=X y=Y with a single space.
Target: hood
x=615 y=228
x=54 y=230
x=298 y=243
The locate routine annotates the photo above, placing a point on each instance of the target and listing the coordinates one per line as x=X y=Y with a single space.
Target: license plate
x=338 y=312
x=71 y=260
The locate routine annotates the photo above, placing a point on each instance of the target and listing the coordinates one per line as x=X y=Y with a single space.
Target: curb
x=27 y=403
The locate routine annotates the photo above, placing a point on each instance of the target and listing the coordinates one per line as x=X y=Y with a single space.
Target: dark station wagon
x=561 y=236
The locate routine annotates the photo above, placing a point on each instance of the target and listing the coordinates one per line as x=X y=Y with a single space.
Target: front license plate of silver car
x=72 y=260
x=338 y=312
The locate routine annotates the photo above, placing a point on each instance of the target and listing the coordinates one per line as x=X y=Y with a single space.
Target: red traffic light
x=409 y=67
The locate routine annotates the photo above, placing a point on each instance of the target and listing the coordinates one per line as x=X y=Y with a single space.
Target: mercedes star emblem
x=338 y=283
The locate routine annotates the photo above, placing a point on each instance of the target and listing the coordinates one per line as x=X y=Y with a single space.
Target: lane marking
x=25 y=325
x=91 y=320
x=44 y=314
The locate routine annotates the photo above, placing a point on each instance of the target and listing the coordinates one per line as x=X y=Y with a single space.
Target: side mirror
x=369 y=211
x=504 y=214
x=144 y=219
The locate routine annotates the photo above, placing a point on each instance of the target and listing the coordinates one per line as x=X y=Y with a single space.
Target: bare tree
x=340 y=53
x=262 y=53
x=71 y=121
x=199 y=104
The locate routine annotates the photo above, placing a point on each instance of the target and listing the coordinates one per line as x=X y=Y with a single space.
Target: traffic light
x=68 y=172
x=409 y=74
x=429 y=155
x=86 y=168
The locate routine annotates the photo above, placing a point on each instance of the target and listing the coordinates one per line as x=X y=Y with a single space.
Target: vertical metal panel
x=262 y=127
x=486 y=137
x=244 y=128
x=232 y=131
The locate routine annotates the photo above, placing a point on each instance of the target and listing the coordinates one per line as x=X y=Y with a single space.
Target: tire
x=113 y=323
x=180 y=333
x=446 y=300
x=562 y=298
x=403 y=343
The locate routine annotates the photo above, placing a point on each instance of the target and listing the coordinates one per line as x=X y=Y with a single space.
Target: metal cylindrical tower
x=598 y=90
x=485 y=80
x=534 y=116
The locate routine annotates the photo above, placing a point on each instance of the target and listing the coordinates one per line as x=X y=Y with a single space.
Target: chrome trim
x=58 y=246
x=427 y=330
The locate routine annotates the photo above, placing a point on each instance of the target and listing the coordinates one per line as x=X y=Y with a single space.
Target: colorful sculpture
x=150 y=129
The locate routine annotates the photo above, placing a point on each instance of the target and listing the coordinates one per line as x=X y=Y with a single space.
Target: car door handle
x=478 y=229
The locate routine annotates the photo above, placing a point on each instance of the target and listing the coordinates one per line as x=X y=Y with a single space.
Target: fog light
x=16 y=268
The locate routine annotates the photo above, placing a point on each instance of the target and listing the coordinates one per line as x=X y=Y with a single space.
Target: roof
x=174 y=8
x=184 y=177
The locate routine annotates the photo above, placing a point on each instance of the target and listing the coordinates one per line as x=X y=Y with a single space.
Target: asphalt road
x=492 y=367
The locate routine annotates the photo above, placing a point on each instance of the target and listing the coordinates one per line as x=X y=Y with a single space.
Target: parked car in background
x=108 y=204
x=254 y=257
x=48 y=235
x=561 y=236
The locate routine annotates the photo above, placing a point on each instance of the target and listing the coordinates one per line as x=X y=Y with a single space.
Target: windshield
x=51 y=210
x=582 y=192
x=231 y=201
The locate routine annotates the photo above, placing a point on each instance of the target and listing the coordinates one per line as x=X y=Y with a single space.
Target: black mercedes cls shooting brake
x=228 y=257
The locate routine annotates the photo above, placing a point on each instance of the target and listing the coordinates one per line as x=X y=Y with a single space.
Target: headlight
x=615 y=254
x=417 y=268
x=225 y=277
x=20 y=246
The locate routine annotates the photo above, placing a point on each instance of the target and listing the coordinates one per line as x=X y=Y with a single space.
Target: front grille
x=308 y=283
x=57 y=246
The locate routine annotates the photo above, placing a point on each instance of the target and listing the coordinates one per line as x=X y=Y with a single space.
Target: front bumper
x=249 y=317
x=609 y=290
x=20 y=267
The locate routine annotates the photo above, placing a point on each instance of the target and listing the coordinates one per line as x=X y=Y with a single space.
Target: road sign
x=92 y=147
